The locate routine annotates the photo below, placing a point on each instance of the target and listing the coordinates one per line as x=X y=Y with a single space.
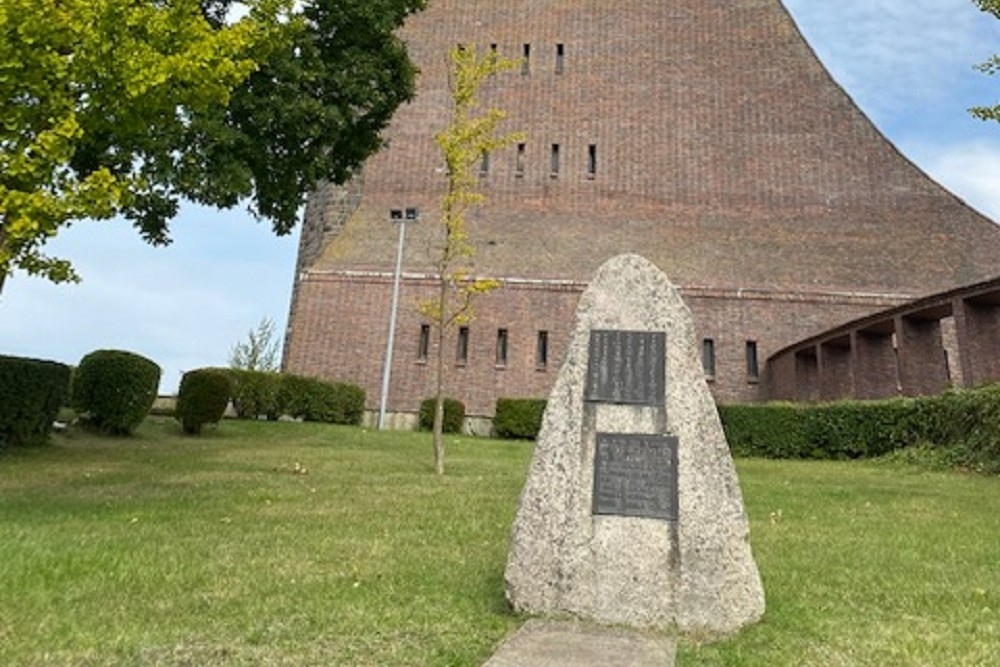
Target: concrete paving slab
x=544 y=643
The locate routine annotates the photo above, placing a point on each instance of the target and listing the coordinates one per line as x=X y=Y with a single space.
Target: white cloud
x=895 y=56
x=970 y=169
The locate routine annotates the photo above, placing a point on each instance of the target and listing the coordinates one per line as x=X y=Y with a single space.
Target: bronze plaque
x=636 y=475
x=627 y=367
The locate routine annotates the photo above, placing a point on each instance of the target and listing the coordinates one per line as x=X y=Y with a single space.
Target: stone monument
x=632 y=512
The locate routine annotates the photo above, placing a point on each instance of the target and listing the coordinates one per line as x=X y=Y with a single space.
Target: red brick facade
x=703 y=135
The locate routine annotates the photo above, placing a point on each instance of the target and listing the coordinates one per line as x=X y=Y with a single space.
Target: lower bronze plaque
x=636 y=475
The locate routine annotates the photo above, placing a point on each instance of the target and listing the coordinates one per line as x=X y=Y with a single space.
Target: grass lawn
x=306 y=544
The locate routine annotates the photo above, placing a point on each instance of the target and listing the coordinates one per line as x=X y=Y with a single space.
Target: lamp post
x=400 y=217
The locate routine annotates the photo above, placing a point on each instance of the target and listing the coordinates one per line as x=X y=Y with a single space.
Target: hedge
x=202 y=398
x=31 y=393
x=454 y=415
x=115 y=390
x=965 y=424
x=961 y=427
x=518 y=418
x=255 y=393
x=312 y=399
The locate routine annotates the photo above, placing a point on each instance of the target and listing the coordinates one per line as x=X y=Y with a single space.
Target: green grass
x=219 y=550
x=866 y=563
x=302 y=544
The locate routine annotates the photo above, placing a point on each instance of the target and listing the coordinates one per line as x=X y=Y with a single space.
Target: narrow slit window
x=560 y=57
x=493 y=48
x=542 y=350
x=462 y=349
x=484 y=164
x=554 y=161
x=708 y=357
x=753 y=368
x=519 y=161
x=501 y=347
x=526 y=59
x=591 y=160
x=424 y=343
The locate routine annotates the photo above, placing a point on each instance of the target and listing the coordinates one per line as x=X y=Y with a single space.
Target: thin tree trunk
x=439 y=381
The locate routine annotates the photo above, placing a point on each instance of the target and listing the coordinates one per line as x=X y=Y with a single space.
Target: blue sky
x=907 y=63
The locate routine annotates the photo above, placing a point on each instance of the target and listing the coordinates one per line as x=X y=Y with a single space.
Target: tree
x=126 y=107
x=259 y=352
x=95 y=94
x=470 y=135
x=991 y=66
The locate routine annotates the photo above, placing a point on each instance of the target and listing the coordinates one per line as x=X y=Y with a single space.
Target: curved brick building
x=702 y=134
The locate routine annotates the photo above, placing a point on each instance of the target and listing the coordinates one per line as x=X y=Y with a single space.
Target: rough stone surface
x=541 y=643
x=696 y=575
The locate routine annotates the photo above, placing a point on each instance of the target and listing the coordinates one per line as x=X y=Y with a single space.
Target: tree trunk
x=439 y=381
x=439 y=407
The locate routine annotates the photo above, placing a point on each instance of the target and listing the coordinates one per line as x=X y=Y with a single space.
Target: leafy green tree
x=126 y=107
x=259 y=352
x=991 y=66
x=471 y=133
x=95 y=94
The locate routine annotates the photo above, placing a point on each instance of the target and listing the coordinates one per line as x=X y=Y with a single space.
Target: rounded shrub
x=202 y=398
x=454 y=415
x=114 y=390
x=518 y=418
x=31 y=393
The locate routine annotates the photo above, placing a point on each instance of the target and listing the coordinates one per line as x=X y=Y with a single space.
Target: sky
x=909 y=65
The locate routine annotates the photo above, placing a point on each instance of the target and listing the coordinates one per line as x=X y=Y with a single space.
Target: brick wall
x=725 y=155
x=341 y=328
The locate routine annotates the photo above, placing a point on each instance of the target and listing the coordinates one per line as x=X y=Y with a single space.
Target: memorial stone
x=632 y=512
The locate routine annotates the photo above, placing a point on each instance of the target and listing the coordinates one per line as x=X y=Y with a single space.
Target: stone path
x=542 y=643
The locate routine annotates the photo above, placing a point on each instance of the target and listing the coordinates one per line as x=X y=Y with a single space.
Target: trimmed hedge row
x=258 y=394
x=31 y=393
x=963 y=423
x=962 y=426
x=842 y=430
x=316 y=400
x=255 y=393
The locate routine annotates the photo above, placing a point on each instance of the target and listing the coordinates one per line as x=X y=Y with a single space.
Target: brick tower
x=704 y=135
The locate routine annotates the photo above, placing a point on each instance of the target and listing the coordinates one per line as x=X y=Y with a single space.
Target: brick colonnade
x=950 y=339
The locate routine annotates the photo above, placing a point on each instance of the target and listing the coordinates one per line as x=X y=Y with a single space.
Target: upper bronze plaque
x=627 y=367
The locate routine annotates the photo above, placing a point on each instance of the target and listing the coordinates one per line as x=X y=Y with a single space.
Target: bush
x=841 y=430
x=115 y=390
x=518 y=417
x=312 y=399
x=773 y=430
x=31 y=393
x=963 y=426
x=454 y=415
x=967 y=423
x=202 y=398
x=255 y=393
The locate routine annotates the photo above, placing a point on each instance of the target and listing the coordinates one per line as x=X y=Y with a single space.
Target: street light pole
x=400 y=217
